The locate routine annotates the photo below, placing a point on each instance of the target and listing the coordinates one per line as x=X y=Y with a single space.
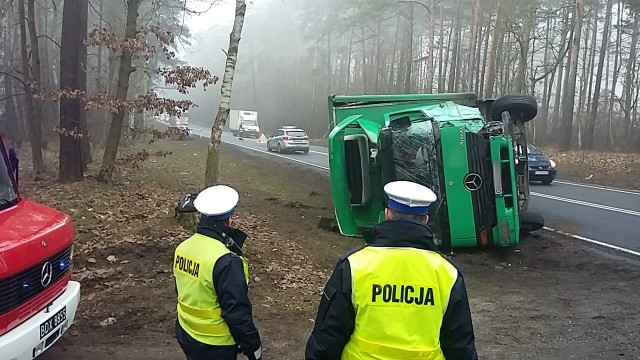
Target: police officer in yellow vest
x=215 y=319
x=397 y=297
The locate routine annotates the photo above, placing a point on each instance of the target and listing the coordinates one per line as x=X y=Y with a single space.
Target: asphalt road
x=604 y=216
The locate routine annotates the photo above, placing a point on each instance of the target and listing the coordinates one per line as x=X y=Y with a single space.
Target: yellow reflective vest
x=199 y=311
x=400 y=296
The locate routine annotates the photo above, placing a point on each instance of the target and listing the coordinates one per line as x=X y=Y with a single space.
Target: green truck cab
x=471 y=153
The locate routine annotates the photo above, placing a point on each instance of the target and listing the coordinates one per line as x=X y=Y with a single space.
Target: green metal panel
x=505 y=214
x=371 y=128
x=353 y=219
x=459 y=201
x=339 y=184
x=468 y=99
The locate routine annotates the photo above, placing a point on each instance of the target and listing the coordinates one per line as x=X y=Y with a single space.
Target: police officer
x=397 y=297
x=214 y=312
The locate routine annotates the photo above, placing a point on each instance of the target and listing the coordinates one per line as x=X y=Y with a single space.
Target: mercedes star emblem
x=473 y=182
x=46 y=274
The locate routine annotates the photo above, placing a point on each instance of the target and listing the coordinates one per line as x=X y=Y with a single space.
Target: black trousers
x=195 y=350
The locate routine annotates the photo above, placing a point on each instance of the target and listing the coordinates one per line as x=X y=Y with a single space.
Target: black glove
x=252 y=355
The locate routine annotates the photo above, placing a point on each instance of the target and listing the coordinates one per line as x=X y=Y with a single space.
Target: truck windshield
x=249 y=123
x=415 y=155
x=8 y=193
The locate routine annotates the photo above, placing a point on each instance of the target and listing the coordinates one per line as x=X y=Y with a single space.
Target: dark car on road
x=541 y=168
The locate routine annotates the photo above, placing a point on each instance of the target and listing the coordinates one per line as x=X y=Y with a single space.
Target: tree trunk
x=592 y=61
x=364 y=61
x=570 y=90
x=411 y=21
x=583 y=83
x=12 y=128
x=555 y=120
x=35 y=62
x=541 y=123
x=485 y=54
x=432 y=35
x=32 y=109
x=71 y=167
x=124 y=72
x=453 y=77
x=349 y=62
x=591 y=125
x=441 y=75
x=393 y=55
x=475 y=42
x=616 y=72
x=213 y=155
x=491 y=62
x=84 y=66
x=628 y=83
x=528 y=25
x=378 y=57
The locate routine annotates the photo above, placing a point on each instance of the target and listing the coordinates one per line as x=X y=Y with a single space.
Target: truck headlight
x=553 y=164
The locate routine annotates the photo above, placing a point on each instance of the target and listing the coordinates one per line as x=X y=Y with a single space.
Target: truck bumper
x=24 y=342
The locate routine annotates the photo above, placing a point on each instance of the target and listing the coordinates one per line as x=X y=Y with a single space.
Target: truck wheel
x=530 y=221
x=521 y=107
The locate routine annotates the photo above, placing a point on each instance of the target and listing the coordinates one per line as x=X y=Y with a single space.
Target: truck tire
x=521 y=107
x=530 y=221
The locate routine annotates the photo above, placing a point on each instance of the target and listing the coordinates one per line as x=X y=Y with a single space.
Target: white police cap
x=217 y=201
x=409 y=198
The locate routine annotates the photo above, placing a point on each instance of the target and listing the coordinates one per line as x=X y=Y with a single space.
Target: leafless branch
x=10 y=96
x=15 y=77
x=47 y=37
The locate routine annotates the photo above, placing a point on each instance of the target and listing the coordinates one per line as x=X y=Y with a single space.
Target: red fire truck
x=38 y=301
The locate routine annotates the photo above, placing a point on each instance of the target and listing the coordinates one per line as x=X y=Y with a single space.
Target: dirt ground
x=550 y=298
x=591 y=167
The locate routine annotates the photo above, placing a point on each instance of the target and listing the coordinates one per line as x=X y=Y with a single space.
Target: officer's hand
x=251 y=355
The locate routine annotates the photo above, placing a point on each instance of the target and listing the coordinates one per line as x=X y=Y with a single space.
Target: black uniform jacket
x=335 y=321
x=231 y=289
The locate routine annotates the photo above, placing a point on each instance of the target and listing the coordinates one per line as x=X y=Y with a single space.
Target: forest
x=579 y=59
x=84 y=75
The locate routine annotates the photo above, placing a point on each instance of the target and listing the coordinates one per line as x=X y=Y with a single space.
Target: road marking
x=605 y=188
x=584 y=203
x=596 y=242
x=275 y=154
x=318 y=152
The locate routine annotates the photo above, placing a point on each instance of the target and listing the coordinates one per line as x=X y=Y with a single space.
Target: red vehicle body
x=37 y=299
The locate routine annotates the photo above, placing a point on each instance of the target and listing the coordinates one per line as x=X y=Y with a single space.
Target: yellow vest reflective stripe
x=400 y=296
x=198 y=307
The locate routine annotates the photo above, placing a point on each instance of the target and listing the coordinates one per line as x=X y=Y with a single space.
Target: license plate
x=542 y=173
x=53 y=322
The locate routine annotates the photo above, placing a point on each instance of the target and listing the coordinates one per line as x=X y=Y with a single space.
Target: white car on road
x=288 y=139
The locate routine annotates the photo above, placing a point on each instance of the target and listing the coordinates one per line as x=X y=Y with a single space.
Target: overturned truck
x=471 y=153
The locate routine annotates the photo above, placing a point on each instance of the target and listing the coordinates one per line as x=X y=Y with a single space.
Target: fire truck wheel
x=522 y=108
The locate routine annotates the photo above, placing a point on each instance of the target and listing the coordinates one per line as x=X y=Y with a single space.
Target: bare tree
x=30 y=82
x=124 y=72
x=213 y=155
x=591 y=124
x=71 y=109
x=570 y=89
